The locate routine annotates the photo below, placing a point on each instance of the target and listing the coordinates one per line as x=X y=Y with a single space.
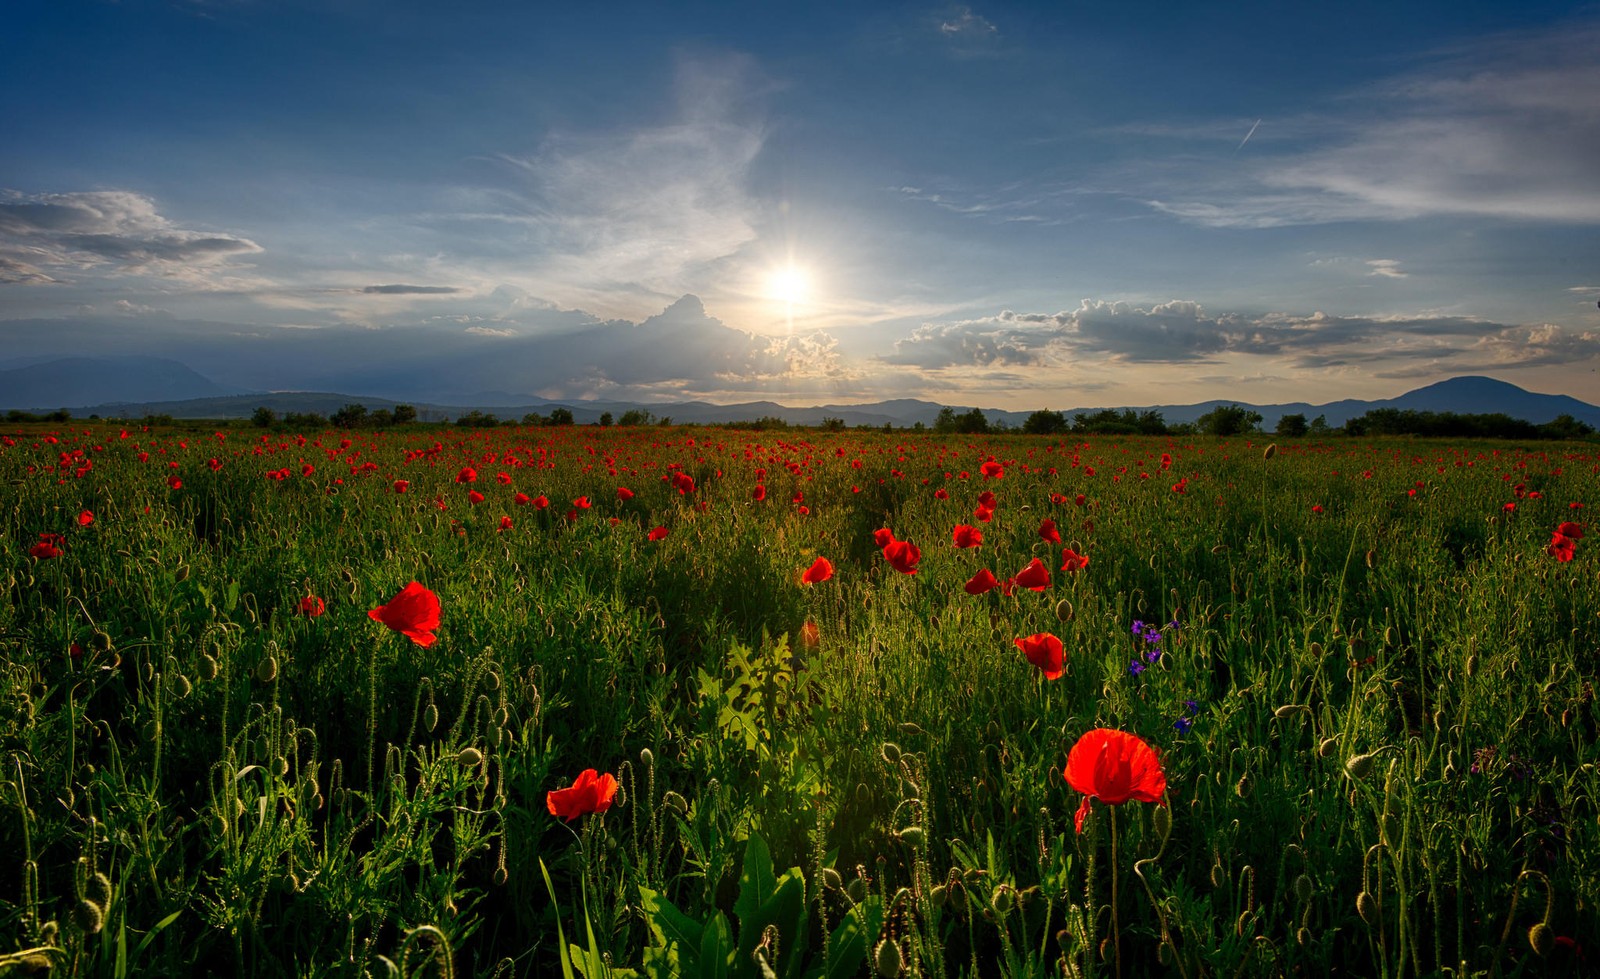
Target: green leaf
x=669 y=925
x=787 y=910
x=756 y=883
x=717 y=949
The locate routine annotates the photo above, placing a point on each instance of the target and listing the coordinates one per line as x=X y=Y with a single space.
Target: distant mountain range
x=132 y=387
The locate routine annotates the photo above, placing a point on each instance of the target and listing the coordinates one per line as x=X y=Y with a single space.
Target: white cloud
x=117 y=231
x=1387 y=268
x=962 y=21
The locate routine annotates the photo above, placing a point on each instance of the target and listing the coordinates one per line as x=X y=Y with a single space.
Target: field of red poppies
x=710 y=702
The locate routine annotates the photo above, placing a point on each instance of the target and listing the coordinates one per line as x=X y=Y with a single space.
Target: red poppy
x=941 y=494
x=657 y=534
x=522 y=499
x=414 y=611
x=992 y=470
x=581 y=503
x=1181 y=486
x=1316 y=508
x=86 y=518
x=174 y=482
x=1080 y=499
x=1048 y=531
x=1562 y=548
x=505 y=523
x=401 y=485
x=759 y=493
x=987 y=500
x=810 y=635
x=624 y=494
x=821 y=570
x=44 y=550
x=1567 y=529
x=474 y=497
x=467 y=475
x=981 y=582
x=966 y=536
x=902 y=555
x=311 y=606
x=592 y=792
x=984 y=514
x=883 y=537
x=308 y=470
x=683 y=483
x=1035 y=576
x=1073 y=561
x=1044 y=651
x=1113 y=766
x=541 y=503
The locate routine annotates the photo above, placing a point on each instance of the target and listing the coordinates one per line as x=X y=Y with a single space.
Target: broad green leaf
x=717 y=949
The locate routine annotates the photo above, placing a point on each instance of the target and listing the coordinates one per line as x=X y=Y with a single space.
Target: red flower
x=981 y=582
x=1035 y=576
x=992 y=470
x=581 y=503
x=1073 y=561
x=1316 y=508
x=1567 y=529
x=86 y=518
x=903 y=555
x=467 y=475
x=522 y=499
x=1562 y=548
x=174 y=482
x=987 y=500
x=657 y=534
x=541 y=503
x=883 y=537
x=810 y=635
x=1181 y=486
x=1044 y=651
x=311 y=606
x=1048 y=531
x=401 y=485
x=1113 y=766
x=821 y=570
x=505 y=523
x=759 y=493
x=941 y=494
x=683 y=483
x=474 y=497
x=1080 y=499
x=414 y=611
x=592 y=792
x=984 y=514
x=45 y=549
x=966 y=536
x=624 y=494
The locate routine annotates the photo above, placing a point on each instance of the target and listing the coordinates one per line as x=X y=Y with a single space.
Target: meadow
x=1360 y=673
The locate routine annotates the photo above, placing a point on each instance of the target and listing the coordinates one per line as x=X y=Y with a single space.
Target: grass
x=1377 y=721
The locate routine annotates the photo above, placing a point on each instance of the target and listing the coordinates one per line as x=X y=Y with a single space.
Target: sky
x=1065 y=204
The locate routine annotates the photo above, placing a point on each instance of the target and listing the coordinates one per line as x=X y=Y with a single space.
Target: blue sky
x=1018 y=205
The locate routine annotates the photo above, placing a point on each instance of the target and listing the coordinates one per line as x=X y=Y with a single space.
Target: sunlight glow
x=788 y=285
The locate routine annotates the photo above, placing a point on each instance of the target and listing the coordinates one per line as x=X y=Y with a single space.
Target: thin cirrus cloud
x=49 y=238
x=400 y=289
x=1502 y=128
x=1181 y=332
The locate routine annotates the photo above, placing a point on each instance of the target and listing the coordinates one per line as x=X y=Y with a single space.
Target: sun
x=788 y=284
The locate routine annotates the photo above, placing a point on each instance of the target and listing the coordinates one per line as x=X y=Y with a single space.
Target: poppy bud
x=182 y=685
x=89 y=917
x=1241 y=788
x=500 y=876
x=910 y=729
x=1359 y=766
x=100 y=887
x=1328 y=747
x=891 y=752
x=856 y=890
x=1003 y=900
x=470 y=757
x=430 y=716
x=1289 y=710
x=1372 y=559
x=831 y=879
x=887 y=959
x=208 y=667
x=1063 y=610
x=1218 y=878
x=1219 y=548
x=101 y=641
x=939 y=895
x=679 y=804
x=1367 y=907
x=1270 y=451
x=268 y=670
x=1303 y=888
x=1302 y=937
x=647 y=758
x=1472 y=664
x=1162 y=818
x=1391 y=828
x=1541 y=939
x=182 y=575
x=280 y=766
x=1315 y=649
x=912 y=836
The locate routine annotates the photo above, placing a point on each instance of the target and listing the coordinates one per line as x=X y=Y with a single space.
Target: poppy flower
x=401 y=485
x=941 y=494
x=987 y=500
x=44 y=550
x=981 y=582
x=984 y=514
x=522 y=499
x=992 y=470
x=1561 y=548
x=474 y=497
x=1073 y=561
x=759 y=493
x=174 y=482
x=1113 y=766
x=505 y=523
x=1035 y=576
x=592 y=792
x=1048 y=531
x=541 y=503
x=883 y=537
x=467 y=475
x=311 y=606
x=821 y=570
x=902 y=555
x=810 y=635
x=1567 y=529
x=966 y=536
x=683 y=483
x=86 y=518
x=1044 y=651
x=657 y=533
x=414 y=612
x=624 y=494
x=582 y=503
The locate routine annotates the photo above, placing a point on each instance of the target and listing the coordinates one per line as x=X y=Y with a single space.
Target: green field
x=1366 y=670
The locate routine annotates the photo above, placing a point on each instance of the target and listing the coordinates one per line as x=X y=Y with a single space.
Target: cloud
x=406 y=290
x=962 y=21
x=1503 y=127
x=1387 y=268
x=115 y=230
x=489 y=331
x=643 y=212
x=1181 y=332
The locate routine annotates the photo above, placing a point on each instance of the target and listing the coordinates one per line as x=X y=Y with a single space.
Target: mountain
x=1459 y=395
x=52 y=384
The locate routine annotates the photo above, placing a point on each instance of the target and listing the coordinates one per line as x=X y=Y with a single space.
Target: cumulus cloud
x=1504 y=127
x=963 y=21
x=1181 y=332
x=118 y=230
x=1388 y=268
